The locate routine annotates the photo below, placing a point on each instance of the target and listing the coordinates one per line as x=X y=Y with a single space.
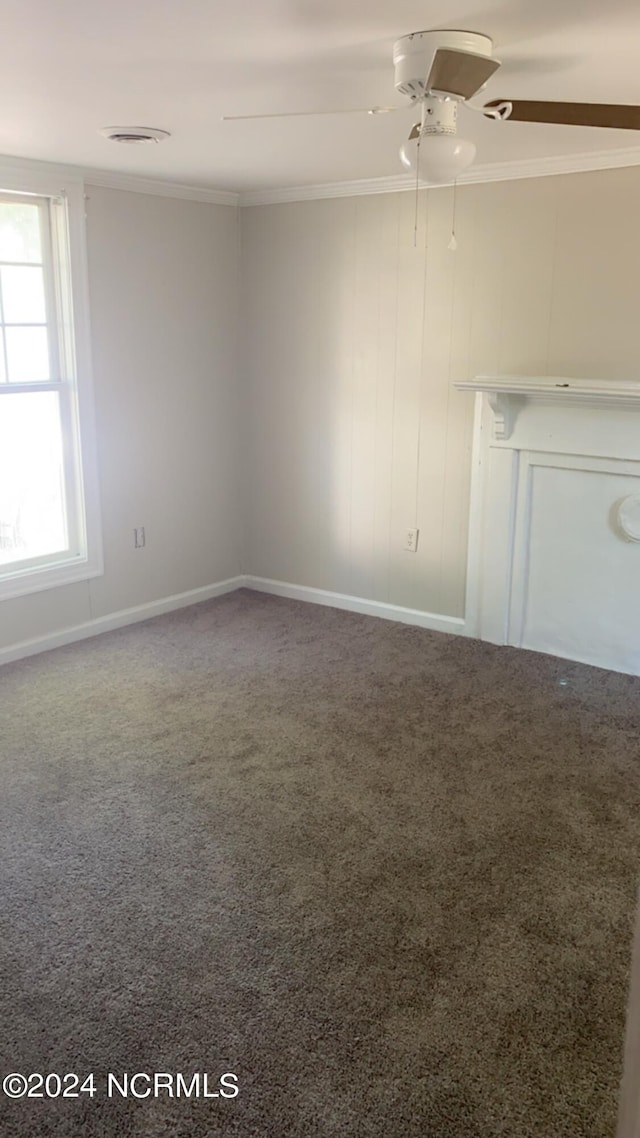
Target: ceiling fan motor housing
x=413 y=56
x=439 y=116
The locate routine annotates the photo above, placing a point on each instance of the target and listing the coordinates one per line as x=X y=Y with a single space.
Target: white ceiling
x=73 y=66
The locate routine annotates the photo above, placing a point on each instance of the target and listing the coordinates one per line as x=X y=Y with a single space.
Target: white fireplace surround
x=554 y=537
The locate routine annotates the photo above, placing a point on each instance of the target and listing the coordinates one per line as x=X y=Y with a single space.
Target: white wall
x=353 y=338
x=350 y=339
x=163 y=277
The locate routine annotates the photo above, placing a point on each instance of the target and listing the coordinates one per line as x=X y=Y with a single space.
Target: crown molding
x=396 y=183
x=111 y=179
x=47 y=177
x=490 y=172
x=54 y=172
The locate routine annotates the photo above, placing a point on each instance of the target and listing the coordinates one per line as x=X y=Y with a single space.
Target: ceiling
x=71 y=67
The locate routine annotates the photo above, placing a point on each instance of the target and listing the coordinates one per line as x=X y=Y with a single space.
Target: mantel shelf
x=507 y=394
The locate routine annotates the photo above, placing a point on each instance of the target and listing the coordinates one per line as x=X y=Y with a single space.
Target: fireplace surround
x=554 y=534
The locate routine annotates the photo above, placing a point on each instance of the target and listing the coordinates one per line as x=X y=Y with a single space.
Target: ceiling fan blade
x=459 y=73
x=614 y=115
x=304 y=114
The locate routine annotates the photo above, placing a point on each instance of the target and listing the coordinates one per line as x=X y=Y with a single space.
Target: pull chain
x=415 y=219
x=453 y=244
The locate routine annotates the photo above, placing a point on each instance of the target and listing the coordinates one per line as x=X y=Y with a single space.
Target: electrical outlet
x=411 y=540
x=138 y=537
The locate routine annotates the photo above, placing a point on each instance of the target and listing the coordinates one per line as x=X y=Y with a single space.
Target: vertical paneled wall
x=356 y=324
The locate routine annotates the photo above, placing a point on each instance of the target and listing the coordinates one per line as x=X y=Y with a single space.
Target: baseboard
x=117 y=620
x=434 y=621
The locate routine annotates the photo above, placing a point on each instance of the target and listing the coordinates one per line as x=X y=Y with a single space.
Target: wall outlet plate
x=411 y=540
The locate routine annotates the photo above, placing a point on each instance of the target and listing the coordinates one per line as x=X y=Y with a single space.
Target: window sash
x=64 y=261
x=72 y=500
x=45 y=207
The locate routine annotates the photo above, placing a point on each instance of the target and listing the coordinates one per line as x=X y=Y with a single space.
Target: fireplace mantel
x=554 y=531
x=507 y=394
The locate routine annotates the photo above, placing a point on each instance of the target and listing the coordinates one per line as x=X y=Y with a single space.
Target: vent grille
x=134 y=135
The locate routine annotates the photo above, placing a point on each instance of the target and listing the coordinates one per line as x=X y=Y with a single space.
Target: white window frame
x=68 y=239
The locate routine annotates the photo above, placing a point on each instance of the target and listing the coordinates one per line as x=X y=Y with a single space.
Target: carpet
x=384 y=877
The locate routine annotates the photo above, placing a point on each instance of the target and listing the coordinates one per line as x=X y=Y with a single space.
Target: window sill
x=49 y=577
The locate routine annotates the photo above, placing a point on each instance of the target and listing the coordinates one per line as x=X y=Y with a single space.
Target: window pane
x=32 y=515
x=3 y=370
x=27 y=354
x=20 y=232
x=23 y=294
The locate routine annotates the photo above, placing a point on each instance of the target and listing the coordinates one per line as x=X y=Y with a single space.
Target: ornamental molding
x=507 y=395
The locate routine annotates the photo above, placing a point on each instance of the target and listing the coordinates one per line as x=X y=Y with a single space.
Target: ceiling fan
x=439 y=70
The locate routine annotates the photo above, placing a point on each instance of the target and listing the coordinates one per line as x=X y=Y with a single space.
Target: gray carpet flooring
x=384 y=876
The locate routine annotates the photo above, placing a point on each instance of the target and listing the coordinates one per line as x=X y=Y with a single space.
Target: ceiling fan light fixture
x=443 y=157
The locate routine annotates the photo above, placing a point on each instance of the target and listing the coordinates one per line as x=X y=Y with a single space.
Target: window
x=49 y=531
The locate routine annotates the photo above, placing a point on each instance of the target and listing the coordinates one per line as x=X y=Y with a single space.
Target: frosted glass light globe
x=442 y=156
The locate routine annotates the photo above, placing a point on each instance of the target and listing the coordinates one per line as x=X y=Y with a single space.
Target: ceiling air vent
x=134 y=135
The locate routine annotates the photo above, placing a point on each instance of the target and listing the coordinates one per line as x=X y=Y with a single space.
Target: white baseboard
x=434 y=621
x=111 y=621
x=117 y=620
